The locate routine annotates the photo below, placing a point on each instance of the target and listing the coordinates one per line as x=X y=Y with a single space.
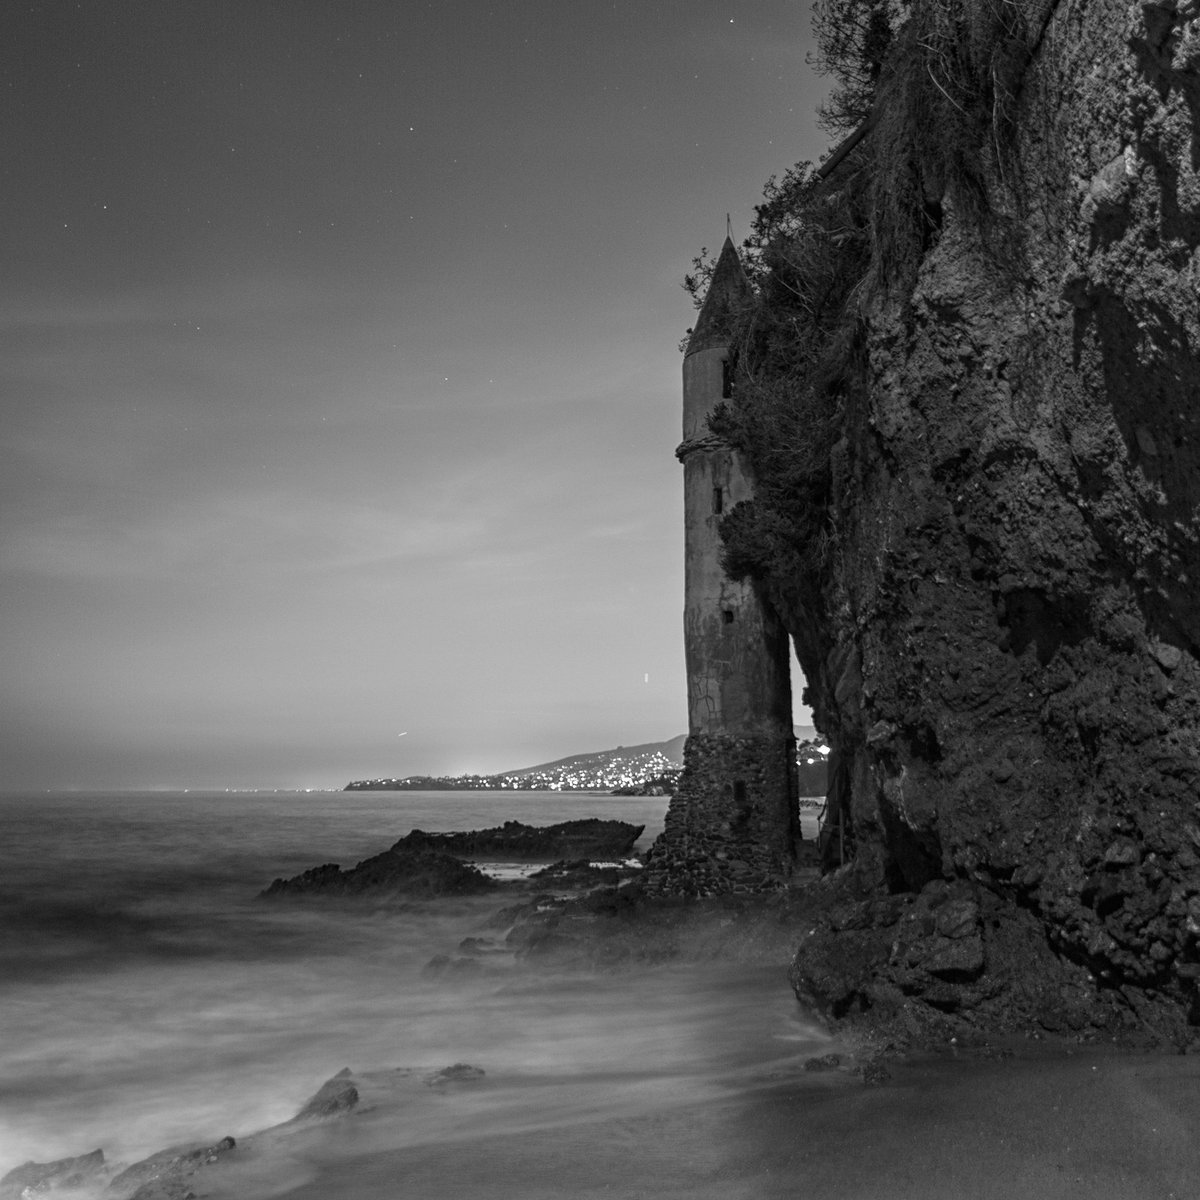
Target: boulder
x=442 y=966
x=826 y=1062
x=458 y=1073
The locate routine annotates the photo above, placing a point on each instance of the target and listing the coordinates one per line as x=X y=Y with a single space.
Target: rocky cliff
x=996 y=560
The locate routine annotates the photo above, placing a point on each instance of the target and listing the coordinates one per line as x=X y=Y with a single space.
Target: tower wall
x=736 y=651
x=732 y=824
x=704 y=384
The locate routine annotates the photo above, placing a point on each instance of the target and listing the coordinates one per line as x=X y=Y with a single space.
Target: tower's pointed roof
x=728 y=290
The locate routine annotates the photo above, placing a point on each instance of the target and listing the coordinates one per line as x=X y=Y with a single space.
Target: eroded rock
x=407 y=872
x=333 y=1098
x=33 y=1179
x=586 y=838
x=167 y=1175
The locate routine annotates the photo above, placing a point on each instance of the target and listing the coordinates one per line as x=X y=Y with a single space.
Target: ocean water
x=148 y=998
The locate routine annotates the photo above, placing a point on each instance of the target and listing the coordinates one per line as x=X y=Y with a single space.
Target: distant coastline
x=652 y=768
x=456 y=783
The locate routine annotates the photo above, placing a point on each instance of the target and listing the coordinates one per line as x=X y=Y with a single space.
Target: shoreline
x=762 y=1116
x=1042 y=1119
x=1041 y=1115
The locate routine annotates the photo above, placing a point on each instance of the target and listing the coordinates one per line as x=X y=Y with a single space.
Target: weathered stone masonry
x=731 y=825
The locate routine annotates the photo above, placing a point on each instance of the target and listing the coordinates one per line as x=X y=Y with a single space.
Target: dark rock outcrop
x=589 y=837
x=950 y=953
x=333 y=1098
x=399 y=872
x=456 y=967
x=826 y=1062
x=1001 y=636
x=426 y=865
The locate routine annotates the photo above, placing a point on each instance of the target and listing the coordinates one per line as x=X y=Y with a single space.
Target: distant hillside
x=622 y=767
x=671 y=752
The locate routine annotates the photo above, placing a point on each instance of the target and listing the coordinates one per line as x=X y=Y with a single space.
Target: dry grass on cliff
x=796 y=349
x=944 y=123
x=943 y=92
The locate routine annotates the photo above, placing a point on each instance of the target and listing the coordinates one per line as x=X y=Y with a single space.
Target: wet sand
x=1044 y=1124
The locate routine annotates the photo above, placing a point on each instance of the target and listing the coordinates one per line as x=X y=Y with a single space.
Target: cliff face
x=1007 y=654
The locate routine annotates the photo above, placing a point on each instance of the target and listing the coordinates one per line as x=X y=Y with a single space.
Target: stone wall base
x=732 y=823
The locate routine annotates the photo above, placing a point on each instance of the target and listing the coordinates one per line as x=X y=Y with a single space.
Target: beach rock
x=577 y=873
x=826 y=1062
x=401 y=872
x=861 y=955
x=476 y=956
x=166 y=1175
x=333 y=1098
x=458 y=1073
x=446 y=966
x=587 y=838
x=875 y=1072
x=480 y=946
x=43 y=1179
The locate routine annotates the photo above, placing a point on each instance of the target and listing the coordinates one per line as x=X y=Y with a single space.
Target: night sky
x=340 y=378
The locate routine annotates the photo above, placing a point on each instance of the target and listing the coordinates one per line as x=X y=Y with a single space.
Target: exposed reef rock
x=1000 y=632
x=589 y=837
x=426 y=865
x=395 y=872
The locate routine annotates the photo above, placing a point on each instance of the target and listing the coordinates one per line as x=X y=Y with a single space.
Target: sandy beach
x=1045 y=1124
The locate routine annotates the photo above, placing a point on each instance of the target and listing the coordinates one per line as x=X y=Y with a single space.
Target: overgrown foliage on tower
x=934 y=87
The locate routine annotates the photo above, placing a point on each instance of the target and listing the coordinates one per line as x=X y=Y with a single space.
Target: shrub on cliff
x=934 y=87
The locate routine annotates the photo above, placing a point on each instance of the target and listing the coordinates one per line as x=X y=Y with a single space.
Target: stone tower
x=731 y=825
